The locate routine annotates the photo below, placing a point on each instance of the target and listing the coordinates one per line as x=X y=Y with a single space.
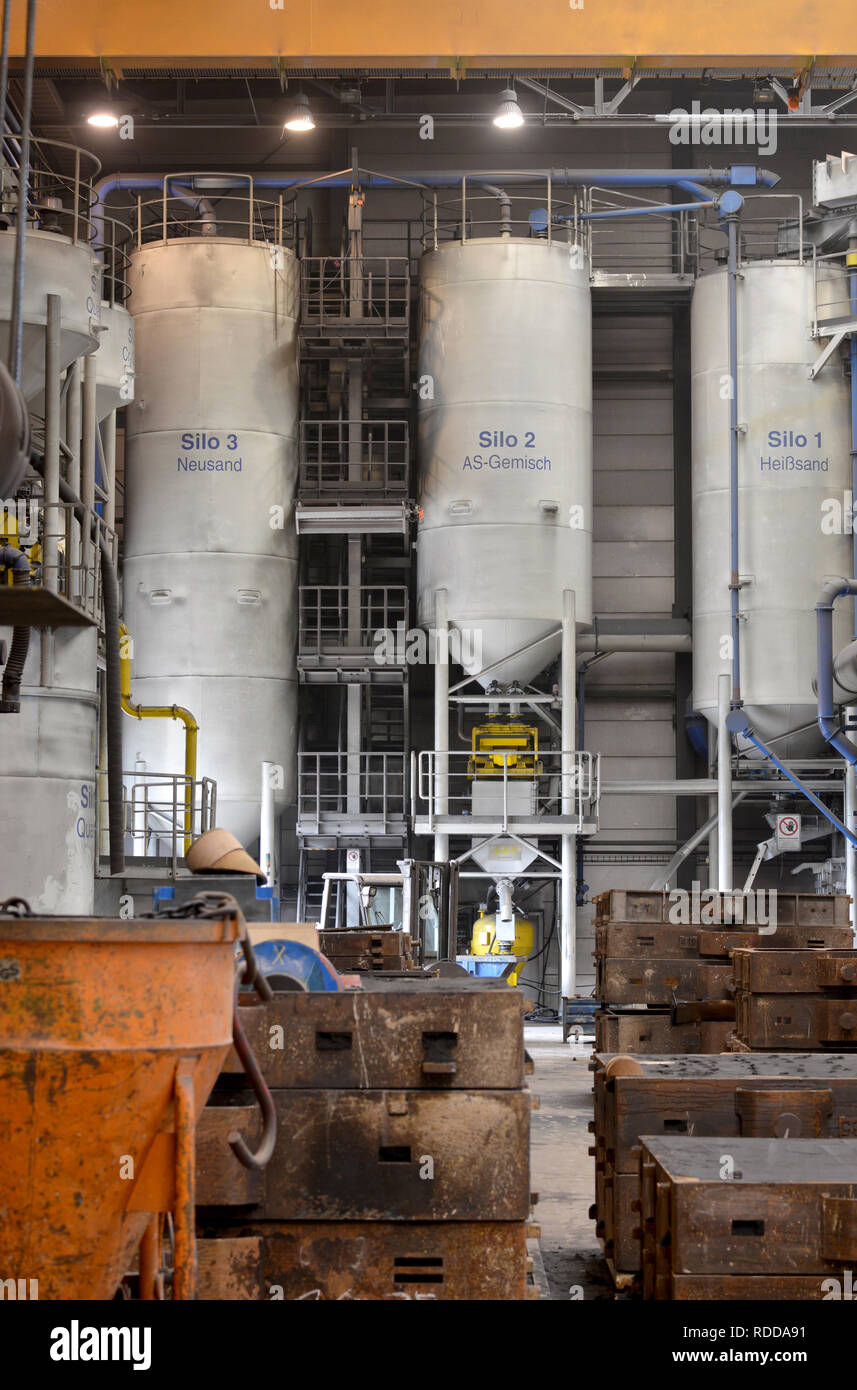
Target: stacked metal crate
x=762 y=1097
x=667 y=987
x=795 y=1000
x=354 y=949
x=401 y=1168
x=746 y=1219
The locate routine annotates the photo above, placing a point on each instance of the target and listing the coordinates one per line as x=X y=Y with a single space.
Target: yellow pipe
x=163 y=712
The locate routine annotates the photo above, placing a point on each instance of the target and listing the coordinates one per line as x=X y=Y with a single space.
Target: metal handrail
x=362 y=784
x=268 y=220
x=76 y=573
x=342 y=291
x=552 y=782
x=841 y=307
x=155 y=806
x=330 y=464
x=452 y=218
x=323 y=615
x=112 y=243
x=73 y=191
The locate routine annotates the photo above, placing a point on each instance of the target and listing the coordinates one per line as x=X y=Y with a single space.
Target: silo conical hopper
x=98 y=1019
x=53 y=264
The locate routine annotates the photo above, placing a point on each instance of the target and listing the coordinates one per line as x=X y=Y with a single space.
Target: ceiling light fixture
x=105 y=118
x=509 y=114
x=300 y=115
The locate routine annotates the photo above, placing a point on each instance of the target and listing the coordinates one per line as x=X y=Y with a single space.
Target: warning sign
x=788 y=832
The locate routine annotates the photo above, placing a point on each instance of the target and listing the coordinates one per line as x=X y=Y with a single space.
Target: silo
x=114 y=362
x=793 y=455
x=210 y=568
x=47 y=791
x=48 y=750
x=505 y=438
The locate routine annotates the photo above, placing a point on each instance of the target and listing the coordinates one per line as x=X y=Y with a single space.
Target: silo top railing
x=60 y=191
x=112 y=243
x=216 y=205
x=484 y=205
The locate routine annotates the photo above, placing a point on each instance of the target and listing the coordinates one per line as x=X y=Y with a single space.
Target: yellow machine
x=485 y=941
x=504 y=741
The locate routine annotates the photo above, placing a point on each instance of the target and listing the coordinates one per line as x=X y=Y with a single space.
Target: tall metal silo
x=210 y=568
x=48 y=749
x=793 y=455
x=505 y=435
x=48 y=753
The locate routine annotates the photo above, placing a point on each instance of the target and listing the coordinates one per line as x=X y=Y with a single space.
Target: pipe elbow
x=832 y=589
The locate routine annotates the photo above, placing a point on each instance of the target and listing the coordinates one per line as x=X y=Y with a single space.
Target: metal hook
x=260 y=1088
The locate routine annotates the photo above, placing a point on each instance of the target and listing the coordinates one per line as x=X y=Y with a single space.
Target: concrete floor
x=561 y=1168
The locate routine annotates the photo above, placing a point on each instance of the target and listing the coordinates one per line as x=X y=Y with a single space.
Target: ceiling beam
x=446 y=35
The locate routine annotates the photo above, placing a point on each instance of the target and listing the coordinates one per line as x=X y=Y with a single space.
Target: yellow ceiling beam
x=449 y=35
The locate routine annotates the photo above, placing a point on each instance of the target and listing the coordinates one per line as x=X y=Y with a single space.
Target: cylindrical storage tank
x=53 y=264
x=47 y=790
x=114 y=361
x=505 y=445
x=210 y=567
x=793 y=456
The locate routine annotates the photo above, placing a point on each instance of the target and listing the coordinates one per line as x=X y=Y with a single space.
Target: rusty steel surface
x=789 y=1208
x=431 y=1034
x=807 y=909
x=462 y=1260
x=388 y=1156
x=665 y=941
x=651 y=981
x=775 y=971
x=643 y=1031
x=748 y=1096
x=95 y=1017
x=351 y=964
x=762 y=1288
x=777 y=1022
x=352 y=942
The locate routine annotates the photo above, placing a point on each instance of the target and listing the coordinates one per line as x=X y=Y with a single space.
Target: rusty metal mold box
x=426 y=1034
x=317 y=1260
x=789 y=1208
x=751 y=1096
x=376 y=1156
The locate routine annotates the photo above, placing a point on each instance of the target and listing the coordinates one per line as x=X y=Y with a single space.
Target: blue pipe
x=832 y=590
x=638 y=212
x=697 y=181
x=137 y=182
x=690 y=187
x=736 y=723
x=852 y=283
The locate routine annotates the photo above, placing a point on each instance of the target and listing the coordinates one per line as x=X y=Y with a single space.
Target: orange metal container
x=111 y=1036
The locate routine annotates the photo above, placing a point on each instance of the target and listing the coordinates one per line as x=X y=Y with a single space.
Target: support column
x=108 y=436
x=568 y=911
x=268 y=831
x=724 y=787
x=849 y=819
x=441 y=719
x=353 y=705
x=87 y=464
x=53 y=522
